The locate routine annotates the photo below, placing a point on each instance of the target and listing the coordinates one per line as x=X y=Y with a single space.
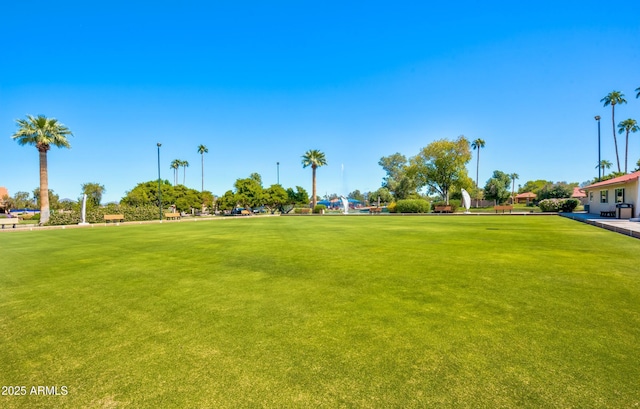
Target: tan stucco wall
x=631 y=195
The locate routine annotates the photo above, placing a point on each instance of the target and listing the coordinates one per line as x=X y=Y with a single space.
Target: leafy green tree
x=53 y=199
x=42 y=132
x=94 y=192
x=22 y=200
x=249 y=193
x=441 y=165
x=227 y=201
x=357 y=195
x=400 y=181
x=534 y=186
x=381 y=195
x=202 y=150
x=300 y=196
x=559 y=190
x=256 y=176
x=146 y=193
x=628 y=125
x=497 y=187
x=315 y=159
x=614 y=98
x=275 y=197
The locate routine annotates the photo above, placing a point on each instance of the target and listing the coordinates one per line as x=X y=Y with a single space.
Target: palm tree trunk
x=477 y=173
x=44 y=187
x=615 y=140
x=313 y=186
x=626 y=151
x=202 y=189
x=184 y=175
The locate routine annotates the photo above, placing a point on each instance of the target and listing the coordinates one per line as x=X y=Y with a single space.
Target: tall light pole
x=278 y=170
x=159 y=191
x=597 y=117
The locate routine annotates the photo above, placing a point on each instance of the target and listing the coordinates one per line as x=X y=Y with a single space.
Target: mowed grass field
x=329 y=312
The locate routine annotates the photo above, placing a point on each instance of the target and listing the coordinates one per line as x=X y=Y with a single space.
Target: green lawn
x=365 y=311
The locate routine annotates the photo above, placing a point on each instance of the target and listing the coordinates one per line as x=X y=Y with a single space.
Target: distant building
x=525 y=197
x=4 y=193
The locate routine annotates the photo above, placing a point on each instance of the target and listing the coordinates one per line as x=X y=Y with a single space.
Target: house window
x=604 y=196
x=591 y=196
x=619 y=195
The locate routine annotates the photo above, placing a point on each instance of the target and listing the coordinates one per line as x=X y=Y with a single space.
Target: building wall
x=631 y=195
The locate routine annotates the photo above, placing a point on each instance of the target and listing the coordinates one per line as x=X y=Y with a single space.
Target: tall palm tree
x=42 y=132
x=185 y=165
x=202 y=150
x=175 y=165
x=628 y=125
x=477 y=144
x=638 y=92
x=604 y=164
x=513 y=177
x=614 y=98
x=315 y=159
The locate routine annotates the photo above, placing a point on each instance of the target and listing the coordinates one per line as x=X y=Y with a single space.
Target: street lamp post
x=159 y=191
x=597 y=117
x=278 y=170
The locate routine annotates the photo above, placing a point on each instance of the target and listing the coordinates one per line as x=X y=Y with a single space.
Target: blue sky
x=262 y=82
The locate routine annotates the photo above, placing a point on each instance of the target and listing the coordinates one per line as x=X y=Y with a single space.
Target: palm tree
x=614 y=98
x=628 y=125
x=185 y=165
x=604 y=164
x=202 y=150
x=513 y=177
x=315 y=159
x=175 y=165
x=638 y=92
x=477 y=144
x=42 y=132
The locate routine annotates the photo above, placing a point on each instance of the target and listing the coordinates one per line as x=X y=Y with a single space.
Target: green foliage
x=412 y=206
x=249 y=192
x=558 y=190
x=498 y=187
x=182 y=197
x=275 y=197
x=357 y=195
x=534 y=186
x=392 y=207
x=299 y=196
x=227 y=201
x=400 y=181
x=319 y=208
x=22 y=200
x=54 y=199
x=383 y=194
x=96 y=214
x=94 y=192
x=558 y=205
x=441 y=165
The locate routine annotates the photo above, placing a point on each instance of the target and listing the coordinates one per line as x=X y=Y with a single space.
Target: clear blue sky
x=261 y=82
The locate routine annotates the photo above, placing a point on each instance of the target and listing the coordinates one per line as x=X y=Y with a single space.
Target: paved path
x=624 y=226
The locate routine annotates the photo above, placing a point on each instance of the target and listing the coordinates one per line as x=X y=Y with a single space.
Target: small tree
x=497 y=187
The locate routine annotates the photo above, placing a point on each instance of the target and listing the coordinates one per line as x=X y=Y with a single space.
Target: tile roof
x=618 y=180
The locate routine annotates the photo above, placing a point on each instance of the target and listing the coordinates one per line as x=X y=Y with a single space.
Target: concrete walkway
x=623 y=226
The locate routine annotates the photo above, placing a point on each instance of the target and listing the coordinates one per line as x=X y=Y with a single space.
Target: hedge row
x=96 y=215
x=558 y=205
x=412 y=206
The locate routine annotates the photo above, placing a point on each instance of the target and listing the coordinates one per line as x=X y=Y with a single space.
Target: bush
x=412 y=206
x=558 y=205
x=392 y=207
x=96 y=215
x=319 y=208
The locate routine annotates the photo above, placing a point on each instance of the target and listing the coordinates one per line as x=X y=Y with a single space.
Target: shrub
x=96 y=215
x=412 y=206
x=392 y=207
x=319 y=208
x=558 y=205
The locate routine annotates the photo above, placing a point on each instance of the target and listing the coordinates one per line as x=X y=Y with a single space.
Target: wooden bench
x=9 y=220
x=610 y=213
x=503 y=208
x=375 y=210
x=113 y=217
x=443 y=209
x=172 y=216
